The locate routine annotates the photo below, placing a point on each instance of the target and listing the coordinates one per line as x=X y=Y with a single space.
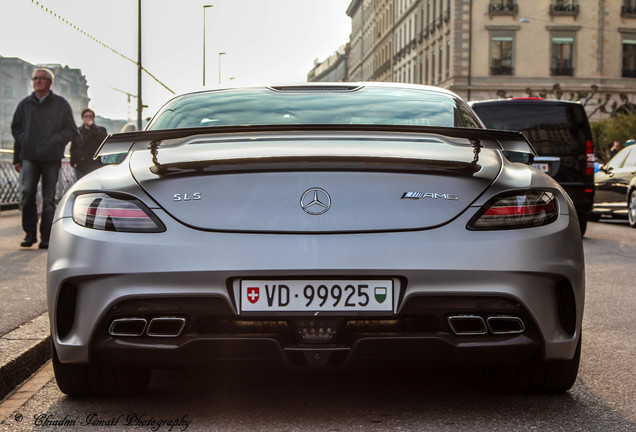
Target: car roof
x=330 y=85
x=523 y=101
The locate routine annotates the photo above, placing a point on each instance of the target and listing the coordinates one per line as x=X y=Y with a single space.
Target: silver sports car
x=321 y=225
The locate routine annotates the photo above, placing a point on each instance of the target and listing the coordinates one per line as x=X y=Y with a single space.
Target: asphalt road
x=393 y=399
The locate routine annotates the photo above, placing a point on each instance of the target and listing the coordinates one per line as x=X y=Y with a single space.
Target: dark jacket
x=84 y=146
x=42 y=130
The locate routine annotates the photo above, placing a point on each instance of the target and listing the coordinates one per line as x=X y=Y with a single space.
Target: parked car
x=560 y=133
x=615 y=184
x=322 y=225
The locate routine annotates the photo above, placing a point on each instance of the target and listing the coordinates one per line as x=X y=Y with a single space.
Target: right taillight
x=524 y=210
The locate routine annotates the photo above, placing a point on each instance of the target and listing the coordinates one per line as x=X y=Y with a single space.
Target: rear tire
x=544 y=377
x=583 y=224
x=631 y=209
x=93 y=380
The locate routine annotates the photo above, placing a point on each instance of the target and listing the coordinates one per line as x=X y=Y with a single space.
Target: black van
x=560 y=132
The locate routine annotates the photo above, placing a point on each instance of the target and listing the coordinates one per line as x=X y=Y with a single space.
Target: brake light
x=104 y=212
x=589 y=158
x=525 y=210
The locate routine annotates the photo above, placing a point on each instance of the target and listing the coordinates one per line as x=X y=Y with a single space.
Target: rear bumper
x=520 y=275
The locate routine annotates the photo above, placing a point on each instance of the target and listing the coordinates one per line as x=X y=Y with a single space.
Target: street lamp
x=204 y=7
x=220 y=54
x=140 y=104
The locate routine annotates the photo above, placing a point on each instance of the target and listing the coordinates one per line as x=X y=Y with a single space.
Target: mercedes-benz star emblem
x=315 y=201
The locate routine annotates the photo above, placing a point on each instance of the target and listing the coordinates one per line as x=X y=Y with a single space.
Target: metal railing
x=10 y=184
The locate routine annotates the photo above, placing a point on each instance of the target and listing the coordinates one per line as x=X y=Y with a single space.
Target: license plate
x=542 y=166
x=317 y=295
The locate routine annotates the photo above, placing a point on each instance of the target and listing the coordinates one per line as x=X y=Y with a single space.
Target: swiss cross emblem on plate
x=253 y=293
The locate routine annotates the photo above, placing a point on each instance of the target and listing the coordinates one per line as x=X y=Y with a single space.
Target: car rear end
x=318 y=245
x=561 y=134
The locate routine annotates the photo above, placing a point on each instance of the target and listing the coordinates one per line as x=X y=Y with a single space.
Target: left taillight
x=101 y=211
x=590 y=159
x=525 y=210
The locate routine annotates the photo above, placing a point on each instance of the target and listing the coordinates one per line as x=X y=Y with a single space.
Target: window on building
x=502 y=5
x=629 y=58
x=628 y=8
x=441 y=57
x=564 y=7
x=426 y=81
x=562 y=56
x=447 y=59
x=433 y=68
x=501 y=55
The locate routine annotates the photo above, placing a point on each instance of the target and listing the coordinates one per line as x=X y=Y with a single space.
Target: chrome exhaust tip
x=127 y=327
x=166 y=327
x=505 y=325
x=467 y=325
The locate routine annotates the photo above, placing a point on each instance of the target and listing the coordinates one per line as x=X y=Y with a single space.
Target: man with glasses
x=42 y=126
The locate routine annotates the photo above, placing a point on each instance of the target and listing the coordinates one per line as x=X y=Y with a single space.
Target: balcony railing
x=628 y=11
x=564 y=9
x=629 y=73
x=562 y=71
x=501 y=70
x=503 y=9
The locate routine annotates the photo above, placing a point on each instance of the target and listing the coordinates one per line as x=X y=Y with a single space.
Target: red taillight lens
x=103 y=212
x=589 y=158
x=526 y=210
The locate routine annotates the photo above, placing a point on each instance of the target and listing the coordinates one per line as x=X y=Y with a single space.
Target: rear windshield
x=363 y=106
x=553 y=129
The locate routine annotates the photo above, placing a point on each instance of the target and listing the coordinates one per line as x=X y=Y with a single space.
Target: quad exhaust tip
x=471 y=325
x=505 y=325
x=127 y=327
x=157 y=327
x=467 y=325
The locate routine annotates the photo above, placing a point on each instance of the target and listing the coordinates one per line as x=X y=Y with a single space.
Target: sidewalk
x=24 y=325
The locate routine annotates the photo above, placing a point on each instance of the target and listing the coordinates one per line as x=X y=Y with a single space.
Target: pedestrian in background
x=41 y=127
x=618 y=146
x=86 y=143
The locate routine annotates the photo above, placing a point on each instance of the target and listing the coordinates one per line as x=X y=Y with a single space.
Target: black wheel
x=631 y=209
x=544 y=377
x=91 y=380
x=593 y=217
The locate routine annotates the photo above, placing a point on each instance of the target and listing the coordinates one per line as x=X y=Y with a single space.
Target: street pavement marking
x=26 y=391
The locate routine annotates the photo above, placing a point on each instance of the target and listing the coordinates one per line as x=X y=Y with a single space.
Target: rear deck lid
x=315 y=182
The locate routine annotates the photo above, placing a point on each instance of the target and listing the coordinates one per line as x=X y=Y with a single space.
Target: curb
x=23 y=351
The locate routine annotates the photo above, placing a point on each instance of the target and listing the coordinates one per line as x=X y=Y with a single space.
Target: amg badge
x=429 y=195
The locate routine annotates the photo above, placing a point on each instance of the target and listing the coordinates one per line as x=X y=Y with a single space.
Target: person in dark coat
x=86 y=143
x=42 y=126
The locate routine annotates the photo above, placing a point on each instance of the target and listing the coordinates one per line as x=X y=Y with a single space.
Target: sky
x=265 y=41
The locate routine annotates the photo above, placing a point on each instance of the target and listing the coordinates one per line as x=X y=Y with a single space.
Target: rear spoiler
x=514 y=144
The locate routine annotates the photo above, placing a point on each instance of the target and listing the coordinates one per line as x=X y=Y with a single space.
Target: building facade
x=334 y=69
x=583 y=50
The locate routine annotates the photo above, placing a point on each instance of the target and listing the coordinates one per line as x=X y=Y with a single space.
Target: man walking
x=42 y=126
x=86 y=144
